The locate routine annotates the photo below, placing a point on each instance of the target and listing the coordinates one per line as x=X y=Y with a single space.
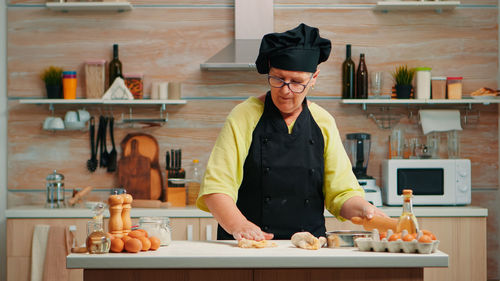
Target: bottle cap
x=407 y=192
x=423 y=69
x=69 y=72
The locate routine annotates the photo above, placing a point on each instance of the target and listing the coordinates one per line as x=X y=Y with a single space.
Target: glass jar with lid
x=157 y=226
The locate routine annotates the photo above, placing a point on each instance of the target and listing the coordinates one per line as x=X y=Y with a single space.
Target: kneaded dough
x=249 y=243
x=306 y=240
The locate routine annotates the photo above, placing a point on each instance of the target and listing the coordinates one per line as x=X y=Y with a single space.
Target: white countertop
x=225 y=254
x=192 y=212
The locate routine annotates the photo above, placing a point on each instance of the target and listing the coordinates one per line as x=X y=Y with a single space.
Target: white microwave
x=433 y=181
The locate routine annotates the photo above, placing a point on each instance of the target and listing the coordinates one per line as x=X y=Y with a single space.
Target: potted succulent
x=52 y=76
x=403 y=76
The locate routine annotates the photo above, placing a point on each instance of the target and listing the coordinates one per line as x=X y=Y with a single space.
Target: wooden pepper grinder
x=127 y=205
x=115 y=227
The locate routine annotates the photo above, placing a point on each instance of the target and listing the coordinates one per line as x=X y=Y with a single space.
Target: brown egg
x=136 y=234
x=146 y=243
x=395 y=236
x=126 y=238
x=145 y=232
x=117 y=245
x=425 y=239
x=155 y=243
x=409 y=237
x=427 y=232
x=133 y=245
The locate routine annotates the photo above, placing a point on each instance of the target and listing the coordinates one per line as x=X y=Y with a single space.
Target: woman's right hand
x=249 y=230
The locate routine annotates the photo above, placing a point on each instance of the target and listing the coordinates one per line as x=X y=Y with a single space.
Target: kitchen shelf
x=438 y=6
x=385 y=118
x=163 y=104
x=101 y=101
x=388 y=102
x=89 y=6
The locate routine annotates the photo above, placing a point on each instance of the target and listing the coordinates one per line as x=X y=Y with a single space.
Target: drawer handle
x=190 y=232
x=209 y=232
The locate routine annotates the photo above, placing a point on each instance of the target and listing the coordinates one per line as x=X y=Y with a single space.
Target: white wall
x=3 y=136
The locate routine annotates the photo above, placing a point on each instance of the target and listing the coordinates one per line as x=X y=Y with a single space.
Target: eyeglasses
x=295 y=87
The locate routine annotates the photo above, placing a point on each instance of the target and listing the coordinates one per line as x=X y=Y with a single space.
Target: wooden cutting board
x=134 y=173
x=147 y=146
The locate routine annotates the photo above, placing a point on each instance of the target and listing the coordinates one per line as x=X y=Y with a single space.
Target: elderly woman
x=279 y=159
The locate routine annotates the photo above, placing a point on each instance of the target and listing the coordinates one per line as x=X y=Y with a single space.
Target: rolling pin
x=378 y=222
x=73 y=200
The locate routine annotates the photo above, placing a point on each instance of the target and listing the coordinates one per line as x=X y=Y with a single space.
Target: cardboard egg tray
x=369 y=244
x=376 y=244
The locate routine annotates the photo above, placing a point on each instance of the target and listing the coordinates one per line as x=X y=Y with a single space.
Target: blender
x=357 y=146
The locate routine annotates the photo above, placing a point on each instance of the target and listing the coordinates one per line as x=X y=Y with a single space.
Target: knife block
x=176 y=192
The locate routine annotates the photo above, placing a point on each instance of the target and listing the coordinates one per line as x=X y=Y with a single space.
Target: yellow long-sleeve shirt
x=224 y=172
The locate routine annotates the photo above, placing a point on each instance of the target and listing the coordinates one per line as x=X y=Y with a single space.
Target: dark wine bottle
x=348 y=68
x=362 y=79
x=115 y=66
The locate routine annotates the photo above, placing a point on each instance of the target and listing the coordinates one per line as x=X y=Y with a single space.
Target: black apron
x=282 y=187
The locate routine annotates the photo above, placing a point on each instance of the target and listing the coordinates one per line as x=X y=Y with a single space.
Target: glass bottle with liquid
x=407 y=220
x=362 y=79
x=97 y=241
x=115 y=66
x=348 y=86
x=194 y=183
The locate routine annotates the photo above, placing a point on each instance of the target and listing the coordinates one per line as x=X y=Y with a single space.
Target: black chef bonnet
x=299 y=49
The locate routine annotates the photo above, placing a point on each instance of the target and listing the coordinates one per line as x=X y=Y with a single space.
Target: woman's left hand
x=358 y=207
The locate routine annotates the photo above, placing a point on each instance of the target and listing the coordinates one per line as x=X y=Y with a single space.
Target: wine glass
x=376 y=83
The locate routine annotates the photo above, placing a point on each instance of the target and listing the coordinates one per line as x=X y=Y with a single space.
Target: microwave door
x=428 y=184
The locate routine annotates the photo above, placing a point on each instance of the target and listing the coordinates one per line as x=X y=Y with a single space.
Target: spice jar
x=438 y=87
x=454 y=87
x=423 y=83
x=134 y=84
x=55 y=190
x=95 y=78
x=69 y=84
x=157 y=226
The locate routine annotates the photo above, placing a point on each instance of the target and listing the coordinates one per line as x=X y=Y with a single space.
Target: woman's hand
x=231 y=219
x=248 y=230
x=358 y=207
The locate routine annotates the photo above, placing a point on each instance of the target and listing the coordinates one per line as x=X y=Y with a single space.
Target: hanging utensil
x=112 y=153
x=104 y=150
x=92 y=162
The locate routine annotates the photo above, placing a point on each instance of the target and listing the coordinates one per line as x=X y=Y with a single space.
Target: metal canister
x=55 y=190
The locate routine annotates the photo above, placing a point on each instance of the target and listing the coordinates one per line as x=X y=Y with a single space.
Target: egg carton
x=383 y=245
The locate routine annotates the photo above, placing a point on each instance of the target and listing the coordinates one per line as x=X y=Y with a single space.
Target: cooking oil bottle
x=407 y=220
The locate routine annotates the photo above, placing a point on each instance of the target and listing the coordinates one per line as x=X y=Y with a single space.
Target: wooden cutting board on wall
x=134 y=173
x=147 y=146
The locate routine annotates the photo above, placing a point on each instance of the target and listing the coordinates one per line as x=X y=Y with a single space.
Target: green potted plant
x=403 y=76
x=52 y=76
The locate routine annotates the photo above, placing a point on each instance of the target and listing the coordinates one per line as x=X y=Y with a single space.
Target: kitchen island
x=223 y=260
x=453 y=225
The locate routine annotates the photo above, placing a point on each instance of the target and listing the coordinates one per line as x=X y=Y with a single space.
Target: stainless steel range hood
x=252 y=19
